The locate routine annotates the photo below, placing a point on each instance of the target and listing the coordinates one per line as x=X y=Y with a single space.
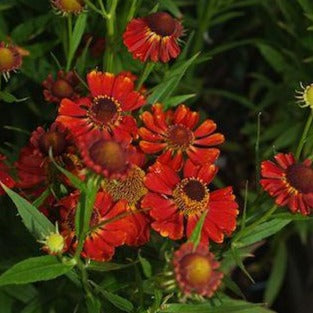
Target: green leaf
x=9 y=98
x=276 y=278
x=171 y=80
x=107 y=266
x=6 y=303
x=34 y=221
x=116 y=300
x=231 y=285
x=34 y=269
x=146 y=266
x=273 y=57
x=232 y=306
x=21 y=293
x=237 y=257
x=93 y=304
x=262 y=231
x=196 y=234
x=31 y=28
x=171 y=6
x=173 y=101
x=75 y=39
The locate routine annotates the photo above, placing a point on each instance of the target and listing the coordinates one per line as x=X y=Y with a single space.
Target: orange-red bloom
x=5 y=177
x=10 y=58
x=289 y=182
x=154 y=37
x=112 y=97
x=109 y=228
x=107 y=155
x=65 y=86
x=196 y=270
x=34 y=166
x=176 y=203
x=176 y=135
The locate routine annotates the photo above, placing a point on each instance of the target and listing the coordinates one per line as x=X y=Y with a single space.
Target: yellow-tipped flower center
x=7 y=59
x=69 y=6
x=197 y=269
x=54 y=243
x=305 y=96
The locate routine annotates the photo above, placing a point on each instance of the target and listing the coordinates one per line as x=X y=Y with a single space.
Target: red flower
x=65 y=86
x=106 y=155
x=291 y=183
x=5 y=177
x=176 y=203
x=196 y=270
x=113 y=96
x=34 y=166
x=106 y=233
x=10 y=58
x=154 y=37
x=175 y=135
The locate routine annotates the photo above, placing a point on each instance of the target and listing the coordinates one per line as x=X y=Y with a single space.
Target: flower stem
x=304 y=135
x=145 y=74
x=110 y=21
x=70 y=34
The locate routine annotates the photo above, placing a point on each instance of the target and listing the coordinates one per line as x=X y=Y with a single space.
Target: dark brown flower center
x=161 y=23
x=54 y=140
x=300 y=177
x=179 y=137
x=191 y=196
x=7 y=59
x=196 y=270
x=194 y=190
x=108 y=154
x=62 y=89
x=104 y=110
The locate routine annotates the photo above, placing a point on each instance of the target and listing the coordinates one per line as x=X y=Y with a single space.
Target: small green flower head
x=305 y=96
x=54 y=243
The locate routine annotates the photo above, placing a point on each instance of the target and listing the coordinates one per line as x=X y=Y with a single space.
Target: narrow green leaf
x=263 y=231
x=275 y=59
x=234 y=306
x=116 y=300
x=34 y=221
x=173 y=101
x=171 y=80
x=78 y=32
x=277 y=275
x=34 y=269
x=9 y=98
x=146 y=266
x=21 y=293
x=231 y=285
x=93 y=304
x=239 y=263
x=196 y=234
x=107 y=266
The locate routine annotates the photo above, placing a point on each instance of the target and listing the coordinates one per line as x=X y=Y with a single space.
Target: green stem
x=145 y=74
x=304 y=135
x=70 y=35
x=84 y=277
x=110 y=26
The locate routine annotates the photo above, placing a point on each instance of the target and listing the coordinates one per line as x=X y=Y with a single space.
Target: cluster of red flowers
x=156 y=168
